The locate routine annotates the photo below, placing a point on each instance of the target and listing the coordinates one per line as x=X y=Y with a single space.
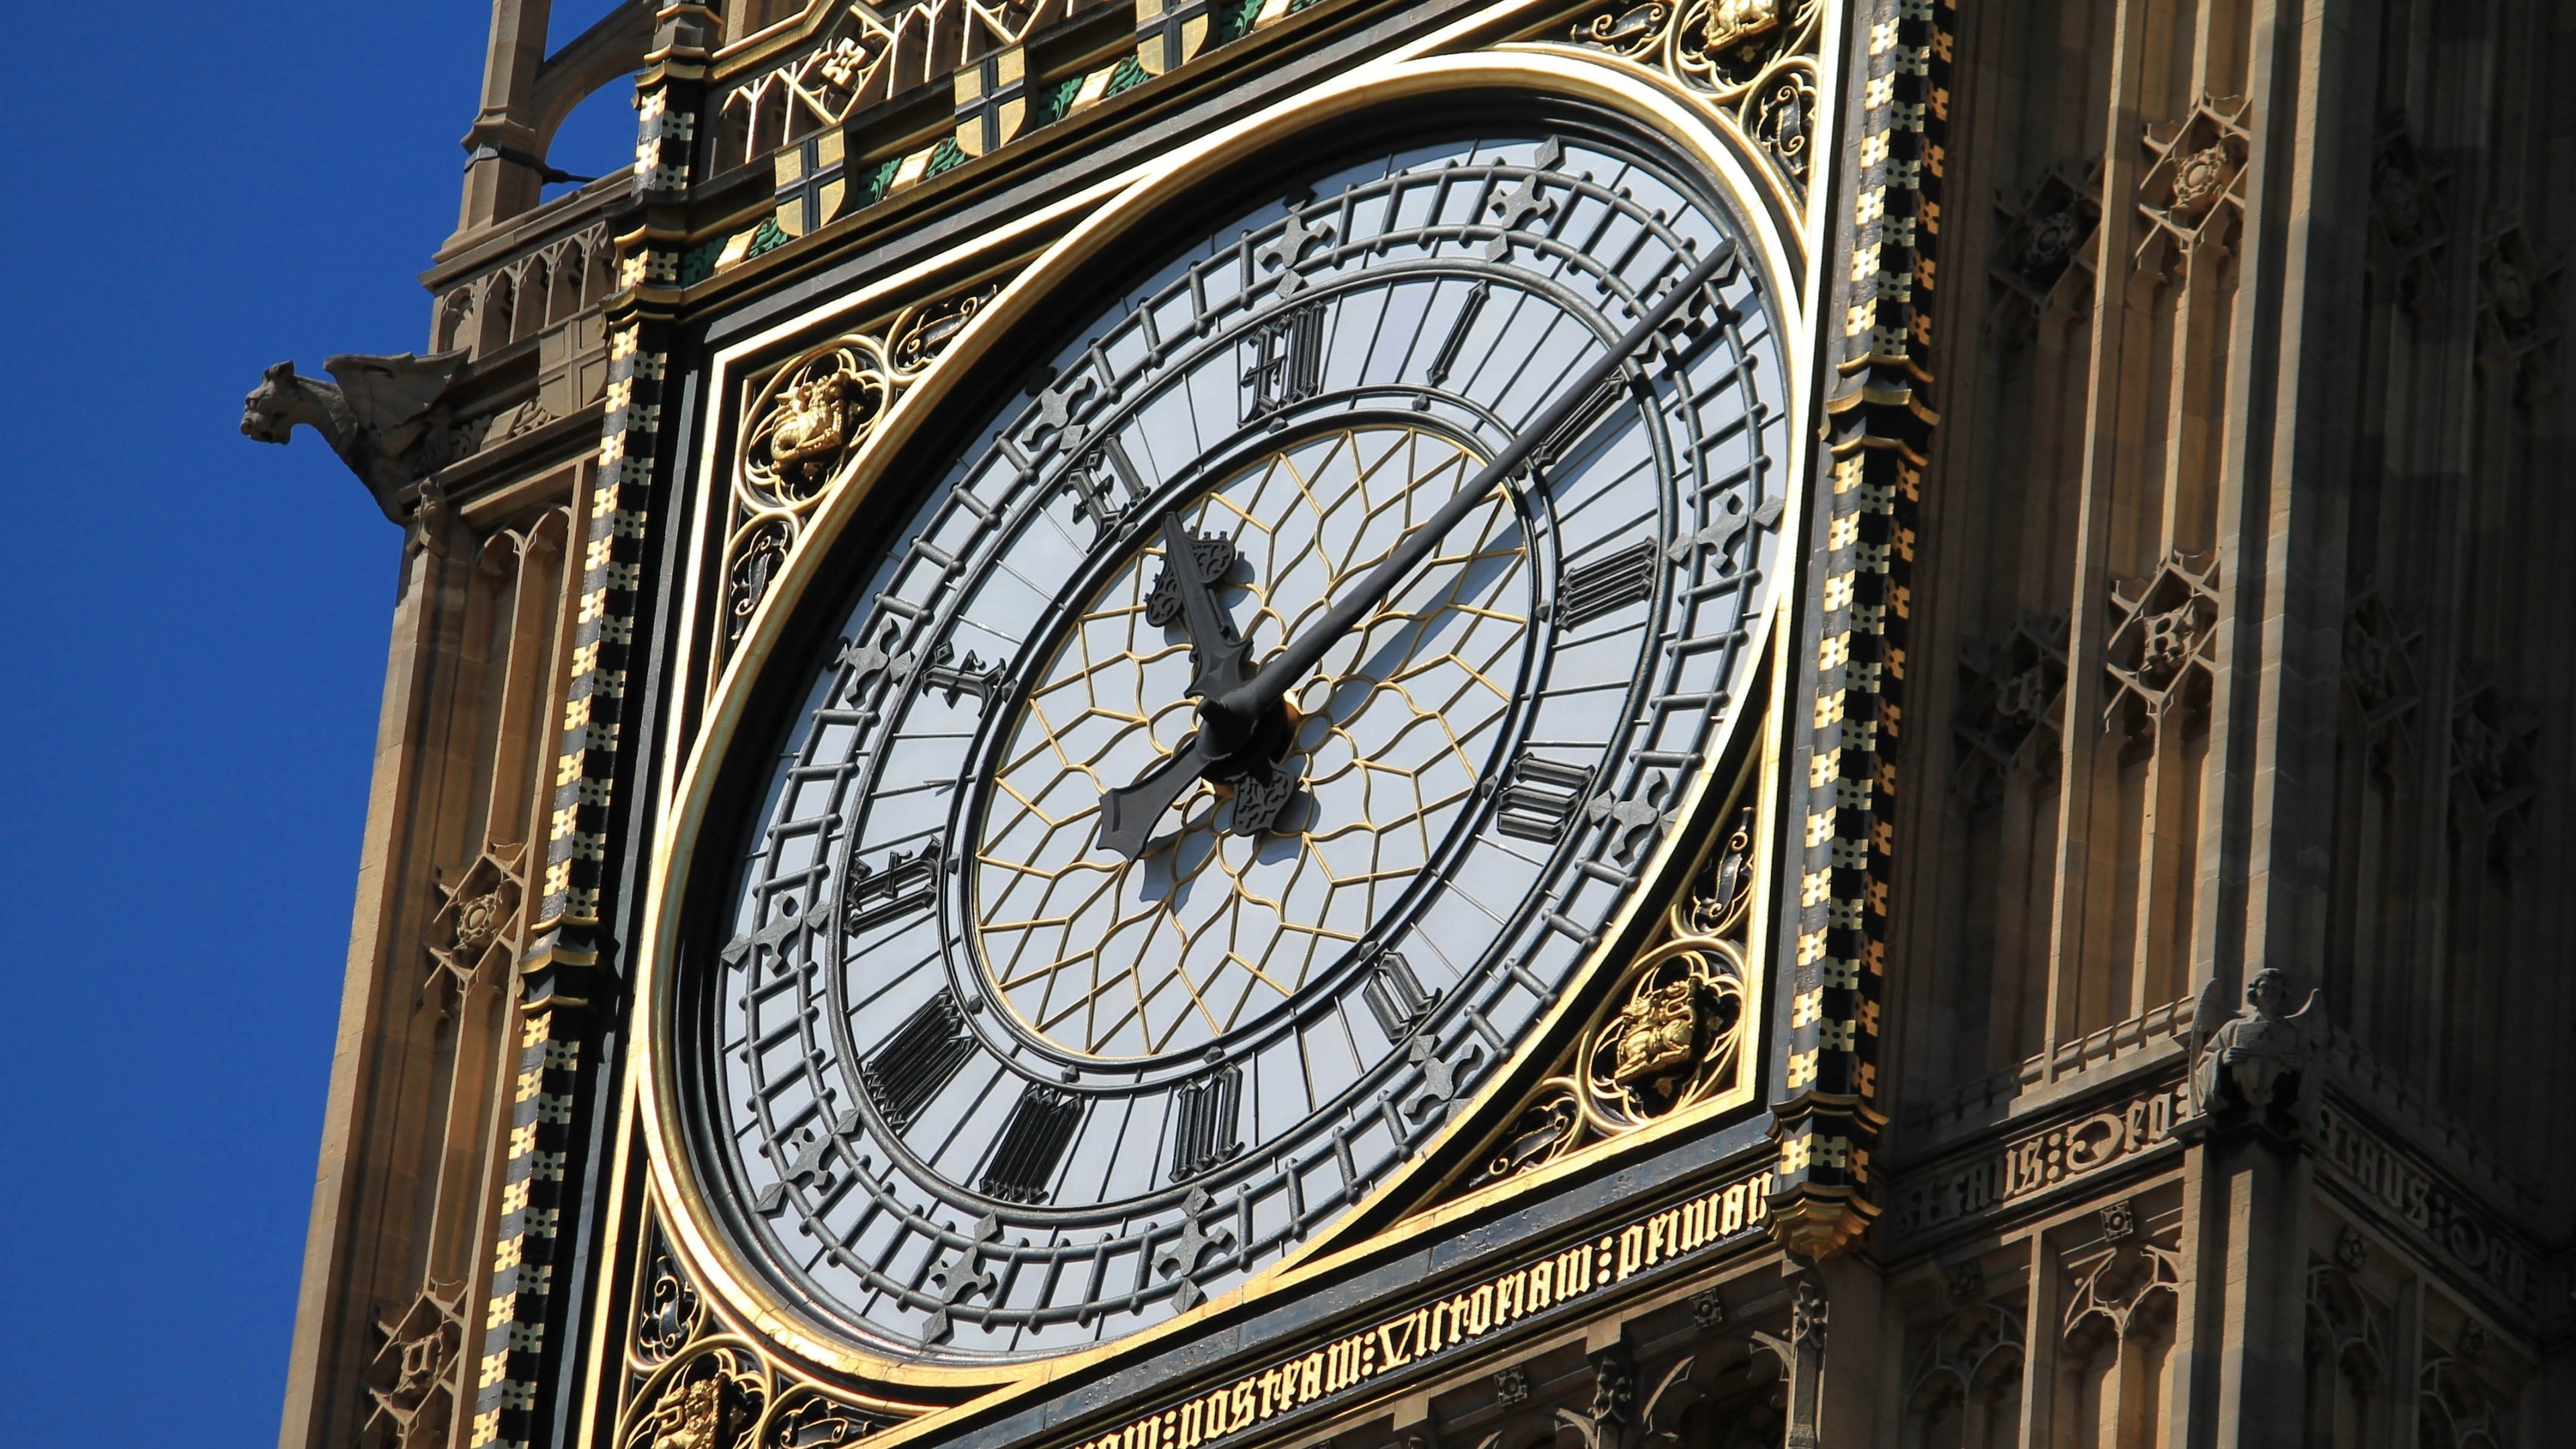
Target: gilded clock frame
x=650 y=1130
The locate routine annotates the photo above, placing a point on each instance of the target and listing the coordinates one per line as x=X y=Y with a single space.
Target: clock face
x=993 y=1061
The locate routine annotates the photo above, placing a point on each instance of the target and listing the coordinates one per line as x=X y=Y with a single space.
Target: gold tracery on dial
x=1101 y=955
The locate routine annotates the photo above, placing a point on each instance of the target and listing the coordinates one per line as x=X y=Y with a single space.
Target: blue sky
x=192 y=646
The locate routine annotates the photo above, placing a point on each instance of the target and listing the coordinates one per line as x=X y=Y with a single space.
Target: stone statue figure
x=385 y=419
x=2252 y=1059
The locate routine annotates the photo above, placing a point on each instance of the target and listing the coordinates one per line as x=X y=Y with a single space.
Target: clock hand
x=1217 y=656
x=1263 y=790
x=1218 y=660
x=1233 y=713
x=1128 y=814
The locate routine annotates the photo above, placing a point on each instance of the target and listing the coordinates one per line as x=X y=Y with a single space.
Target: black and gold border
x=1878 y=433
x=560 y=976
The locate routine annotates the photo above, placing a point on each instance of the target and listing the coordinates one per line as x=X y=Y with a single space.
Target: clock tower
x=1332 y=722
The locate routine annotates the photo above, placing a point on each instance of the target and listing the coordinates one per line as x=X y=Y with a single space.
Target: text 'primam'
x=1448 y=1322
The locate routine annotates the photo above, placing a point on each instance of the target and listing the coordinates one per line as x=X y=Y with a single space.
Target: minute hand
x=1246 y=701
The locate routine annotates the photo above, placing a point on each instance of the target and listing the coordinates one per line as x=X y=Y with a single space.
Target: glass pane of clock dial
x=982 y=1086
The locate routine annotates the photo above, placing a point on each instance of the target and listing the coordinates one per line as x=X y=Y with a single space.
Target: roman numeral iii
x=1538 y=798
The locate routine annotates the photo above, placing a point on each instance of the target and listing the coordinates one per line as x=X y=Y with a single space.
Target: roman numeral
x=1287 y=362
x=1561 y=442
x=918 y=1060
x=908 y=883
x=1538 y=798
x=989 y=683
x=1205 y=1114
x=1395 y=995
x=1096 y=479
x=1458 y=330
x=1040 y=1128
x=1608 y=584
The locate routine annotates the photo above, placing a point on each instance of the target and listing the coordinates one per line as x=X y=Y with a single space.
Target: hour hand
x=1186 y=594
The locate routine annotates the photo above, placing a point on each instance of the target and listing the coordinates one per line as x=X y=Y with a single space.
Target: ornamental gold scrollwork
x=711 y=1397
x=1753 y=62
x=694 y=1383
x=1668 y=1038
x=1671 y=1042
x=669 y=1313
x=802 y=430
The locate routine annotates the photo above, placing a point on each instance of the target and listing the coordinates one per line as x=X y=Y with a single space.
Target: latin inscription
x=2036 y=1163
x=2415 y=1199
x=1452 y=1321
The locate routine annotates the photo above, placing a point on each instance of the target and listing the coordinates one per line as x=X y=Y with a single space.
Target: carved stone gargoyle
x=2255 y=1062
x=386 y=419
